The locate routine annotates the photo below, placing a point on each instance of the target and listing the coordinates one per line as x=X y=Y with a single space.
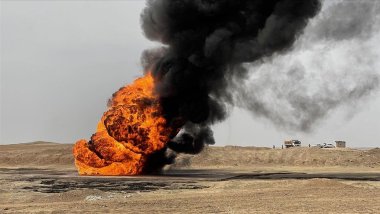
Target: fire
x=129 y=131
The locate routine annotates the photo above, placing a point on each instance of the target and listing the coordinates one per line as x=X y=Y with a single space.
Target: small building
x=340 y=144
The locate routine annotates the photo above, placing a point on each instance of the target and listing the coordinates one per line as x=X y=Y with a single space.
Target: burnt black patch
x=106 y=185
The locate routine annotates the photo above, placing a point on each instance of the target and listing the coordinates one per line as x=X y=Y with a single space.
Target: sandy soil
x=40 y=178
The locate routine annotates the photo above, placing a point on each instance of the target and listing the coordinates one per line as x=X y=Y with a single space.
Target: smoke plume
x=332 y=64
x=206 y=45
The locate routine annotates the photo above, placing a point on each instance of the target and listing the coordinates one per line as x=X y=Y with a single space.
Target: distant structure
x=292 y=143
x=340 y=144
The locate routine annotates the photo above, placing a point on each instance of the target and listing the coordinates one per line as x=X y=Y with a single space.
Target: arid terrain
x=40 y=177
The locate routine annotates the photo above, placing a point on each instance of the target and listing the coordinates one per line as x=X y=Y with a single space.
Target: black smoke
x=331 y=69
x=205 y=42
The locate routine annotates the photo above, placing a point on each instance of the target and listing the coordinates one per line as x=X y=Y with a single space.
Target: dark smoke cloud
x=192 y=139
x=205 y=44
x=334 y=64
x=346 y=20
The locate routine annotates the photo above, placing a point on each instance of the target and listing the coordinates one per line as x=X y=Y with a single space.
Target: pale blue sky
x=62 y=60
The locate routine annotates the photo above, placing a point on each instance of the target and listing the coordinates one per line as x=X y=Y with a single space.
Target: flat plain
x=40 y=177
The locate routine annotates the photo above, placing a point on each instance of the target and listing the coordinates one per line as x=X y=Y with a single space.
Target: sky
x=62 y=60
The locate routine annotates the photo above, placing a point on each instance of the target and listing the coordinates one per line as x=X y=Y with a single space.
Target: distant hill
x=48 y=154
x=36 y=154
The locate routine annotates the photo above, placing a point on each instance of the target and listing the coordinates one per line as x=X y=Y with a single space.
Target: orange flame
x=129 y=131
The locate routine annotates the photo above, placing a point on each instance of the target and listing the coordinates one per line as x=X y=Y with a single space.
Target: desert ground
x=40 y=177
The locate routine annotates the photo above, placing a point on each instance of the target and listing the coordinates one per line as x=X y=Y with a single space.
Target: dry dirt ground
x=40 y=178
